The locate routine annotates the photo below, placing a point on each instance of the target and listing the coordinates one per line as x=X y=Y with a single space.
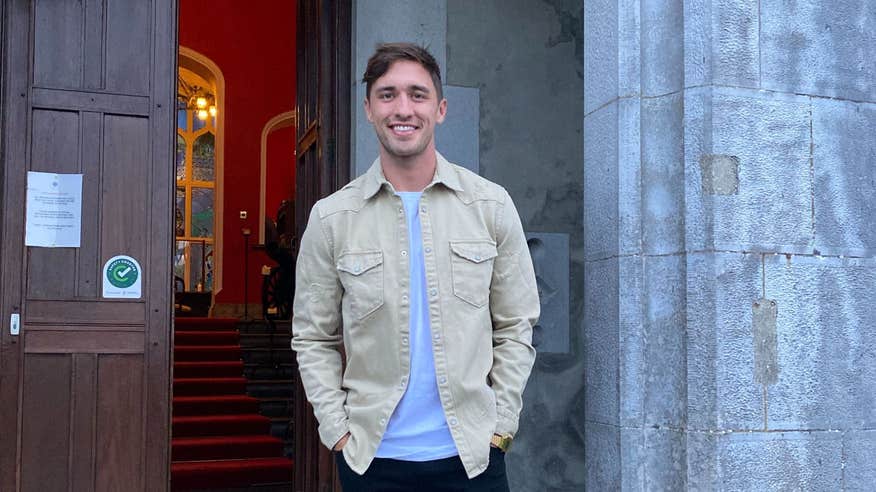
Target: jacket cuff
x=506 y=423
x=331 y=433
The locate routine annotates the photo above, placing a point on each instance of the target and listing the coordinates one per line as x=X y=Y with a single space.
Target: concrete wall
x=729 y=310
x=514 y=80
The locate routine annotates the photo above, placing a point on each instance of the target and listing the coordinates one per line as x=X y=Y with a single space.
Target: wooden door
x=88 y=88
x=323 y=166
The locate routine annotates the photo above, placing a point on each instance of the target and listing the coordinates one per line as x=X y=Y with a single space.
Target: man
x=425 y=266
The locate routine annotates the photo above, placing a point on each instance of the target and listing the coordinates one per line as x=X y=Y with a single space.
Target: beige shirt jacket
x=352 y=288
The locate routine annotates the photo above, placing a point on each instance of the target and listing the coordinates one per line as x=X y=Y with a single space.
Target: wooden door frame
x=16 y=100
x=323 y=166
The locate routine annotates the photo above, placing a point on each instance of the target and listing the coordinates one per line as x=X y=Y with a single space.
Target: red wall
x=253 y=43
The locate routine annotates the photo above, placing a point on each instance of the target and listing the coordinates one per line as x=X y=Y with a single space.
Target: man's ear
x=442 y=111
x=368 y=109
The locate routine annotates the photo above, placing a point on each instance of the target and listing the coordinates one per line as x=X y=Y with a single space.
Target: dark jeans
x=447 y=475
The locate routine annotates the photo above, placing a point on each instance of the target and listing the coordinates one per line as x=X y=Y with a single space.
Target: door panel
x=323 y=166
x=88 y=87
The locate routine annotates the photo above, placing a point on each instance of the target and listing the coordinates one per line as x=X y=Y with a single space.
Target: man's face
x=404 y=108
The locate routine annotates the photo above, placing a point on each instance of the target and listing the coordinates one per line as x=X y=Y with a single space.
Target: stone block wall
x=729 y=321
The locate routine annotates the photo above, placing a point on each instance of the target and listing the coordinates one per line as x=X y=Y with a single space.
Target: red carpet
x=218 y=438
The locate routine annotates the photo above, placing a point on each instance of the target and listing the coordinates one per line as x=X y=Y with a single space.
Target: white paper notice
x=54 y=210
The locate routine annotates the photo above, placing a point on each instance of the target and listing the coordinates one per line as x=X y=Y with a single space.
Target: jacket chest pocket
x=361 y=274
x=472 y=270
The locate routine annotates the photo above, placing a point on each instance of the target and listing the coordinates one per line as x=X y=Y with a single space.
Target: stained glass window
x=195 y=197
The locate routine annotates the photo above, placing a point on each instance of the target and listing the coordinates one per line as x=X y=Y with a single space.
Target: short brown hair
x=388 y=53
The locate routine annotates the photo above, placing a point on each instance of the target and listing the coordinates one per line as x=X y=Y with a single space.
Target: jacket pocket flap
x=359 y=263
x=474 y=251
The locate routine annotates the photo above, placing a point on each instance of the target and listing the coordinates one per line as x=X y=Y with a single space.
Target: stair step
x=217 y=425
x=255 y=340
x=206 y=337
x=225 y=447
x=230 y=473
x=184 y=406
x=266 y=388
x=195 y=323
x=202 y=369
x=209 y=386
x=286 y=370
x=262 y=355
x=187 y=353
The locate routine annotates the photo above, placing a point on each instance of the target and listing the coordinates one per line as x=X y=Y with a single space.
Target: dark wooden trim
x=309 y=138
x=323 y=109
x=103 y=102
x=159 y=312
x=16 y=56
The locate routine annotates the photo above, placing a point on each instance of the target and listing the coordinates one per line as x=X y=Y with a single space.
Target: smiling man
x=423 y=266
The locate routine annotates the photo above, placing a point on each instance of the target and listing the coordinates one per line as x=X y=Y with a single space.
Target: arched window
x=195 y=181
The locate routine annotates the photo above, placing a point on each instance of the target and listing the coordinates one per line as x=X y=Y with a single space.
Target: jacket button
x=434 y=292
x=404 y=253
x=382 y=421
x=428 y=249
x=453 y=421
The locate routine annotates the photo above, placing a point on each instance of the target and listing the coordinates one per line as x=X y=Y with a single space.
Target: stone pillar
x=729 y=224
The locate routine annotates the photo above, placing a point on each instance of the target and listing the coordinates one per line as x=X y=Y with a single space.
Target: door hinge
x=15 y=324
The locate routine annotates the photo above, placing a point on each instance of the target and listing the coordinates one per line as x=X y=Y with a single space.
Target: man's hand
x=341 y=442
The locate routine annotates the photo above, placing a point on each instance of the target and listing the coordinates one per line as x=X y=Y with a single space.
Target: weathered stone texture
x=600 y=53
x=859 y=459
x=722 y=393
x=819 y=48
x=601 y=191
x=662 y=164
x=779 y=461
x=826 y=351
x=601 y=341
x=845 y=177
x=770 y=136
x=662 y=46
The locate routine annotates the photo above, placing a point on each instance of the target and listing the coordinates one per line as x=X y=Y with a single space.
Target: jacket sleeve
x=515 y=308
x=316 y=330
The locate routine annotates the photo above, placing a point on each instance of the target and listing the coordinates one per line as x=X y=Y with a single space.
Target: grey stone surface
x=602 y=451
x=780 y=461
x=735 y=54
x=601 y=186
x=662 y=164
x=601 y=40
x=632 y=363
x=662 y=46
x=653 y=459
x=525 y=60
x=702 y=462
x=826 y=357
x=721 y=390
x=845 y=177
x=457 y=137
x=770 y=136
x=819 y=48
x=380 y=21
x=722 y=43
x=663 y=305
x=859 y=459
x=550 y=257
x=386 y=21
x=601 y=341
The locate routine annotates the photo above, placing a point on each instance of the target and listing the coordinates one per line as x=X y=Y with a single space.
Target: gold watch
x=502 y=441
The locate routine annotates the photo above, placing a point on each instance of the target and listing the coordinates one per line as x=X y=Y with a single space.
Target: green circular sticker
x=122 y=273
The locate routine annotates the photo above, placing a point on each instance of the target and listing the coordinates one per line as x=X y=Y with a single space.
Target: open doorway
x=233 y=377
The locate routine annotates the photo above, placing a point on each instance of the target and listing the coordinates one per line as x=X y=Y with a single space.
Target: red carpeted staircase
x=219 y=440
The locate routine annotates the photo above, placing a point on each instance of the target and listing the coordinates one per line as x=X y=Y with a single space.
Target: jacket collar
x=445 y=174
